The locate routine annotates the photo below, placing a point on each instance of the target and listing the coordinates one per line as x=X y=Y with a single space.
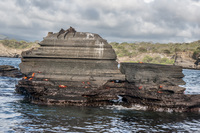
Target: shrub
x=16 y=44
x=147 y=59
x=198 y=48
x=196 y=53
x=166 y=61
x=134 y=49
x=166 y=51
x=154 y=50
x=177 y=49
x=157 y=60
x=142 y=49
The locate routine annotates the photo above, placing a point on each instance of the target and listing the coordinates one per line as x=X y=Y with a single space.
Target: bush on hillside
x=196 y=53
x=142 y=49
x=157 y=60
x=147 y=59
x=137 y=48
x=16 y=44
x=166 y=51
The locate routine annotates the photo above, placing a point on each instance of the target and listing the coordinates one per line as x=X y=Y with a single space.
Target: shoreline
x=126 y=62
x=8 y=57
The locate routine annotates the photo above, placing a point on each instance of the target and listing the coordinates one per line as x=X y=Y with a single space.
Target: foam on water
x=136 y=107
x=119 y=100
x=121 y=107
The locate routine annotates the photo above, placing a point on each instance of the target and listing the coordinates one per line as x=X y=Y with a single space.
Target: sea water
x=17 y=115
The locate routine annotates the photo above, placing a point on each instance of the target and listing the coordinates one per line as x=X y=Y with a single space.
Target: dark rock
x=77 y=68
x=157 y=87
x=152 y=74
x=10 y=71
x=197 y=62
x=67 y=65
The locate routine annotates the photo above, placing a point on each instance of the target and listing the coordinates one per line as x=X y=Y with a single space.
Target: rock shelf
x=10 y=71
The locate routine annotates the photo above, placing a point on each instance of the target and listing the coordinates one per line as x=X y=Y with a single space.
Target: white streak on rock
x=100 y=50
x=89 y=35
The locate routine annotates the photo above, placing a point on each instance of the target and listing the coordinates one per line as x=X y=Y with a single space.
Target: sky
x=114 y=20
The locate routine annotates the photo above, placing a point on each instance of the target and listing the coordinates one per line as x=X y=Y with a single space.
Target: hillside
x=13 y=48
x=2 y=37
x=157 y=53
x=181 y=54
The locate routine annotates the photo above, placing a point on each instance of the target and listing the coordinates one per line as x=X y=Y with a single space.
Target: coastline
x=182 y=59
x=13 y=52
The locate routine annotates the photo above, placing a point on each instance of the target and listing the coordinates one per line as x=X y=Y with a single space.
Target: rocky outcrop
x=185 y=60
x=9 y=52
x=153 y=75
x=10 y=71
x=67 y=65
x=157 y=87
x=151 y=86
x=6 y=51
x=80 y=68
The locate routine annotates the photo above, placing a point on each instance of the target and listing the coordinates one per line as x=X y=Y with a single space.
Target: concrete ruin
x=80 y=68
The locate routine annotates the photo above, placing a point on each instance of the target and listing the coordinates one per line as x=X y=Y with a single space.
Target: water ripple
x=16 y=115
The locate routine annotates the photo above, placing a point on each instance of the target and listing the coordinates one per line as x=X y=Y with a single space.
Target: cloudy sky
x=114 y=20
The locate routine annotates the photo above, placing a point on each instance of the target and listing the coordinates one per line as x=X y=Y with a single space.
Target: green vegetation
x=196 y=53
x=17 y=44
x=157 y=60
x=169 y=49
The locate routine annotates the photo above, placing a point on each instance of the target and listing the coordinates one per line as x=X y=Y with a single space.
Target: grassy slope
x=153 y=53
x=14 y=44
x=133 y=52
x=13 y=48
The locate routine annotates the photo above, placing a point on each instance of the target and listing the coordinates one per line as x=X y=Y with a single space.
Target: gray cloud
x=114 y=20
x=90 y=14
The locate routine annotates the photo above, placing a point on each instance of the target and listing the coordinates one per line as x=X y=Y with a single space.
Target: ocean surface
x=17 y=115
